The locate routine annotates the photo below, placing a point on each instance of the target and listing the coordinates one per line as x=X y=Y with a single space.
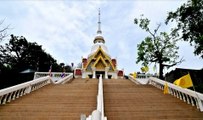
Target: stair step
x=124 y=100
x=63 y=101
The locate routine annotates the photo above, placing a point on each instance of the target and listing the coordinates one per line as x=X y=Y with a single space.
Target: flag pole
x=166 y=90
x=195 y=93
x=192 y=83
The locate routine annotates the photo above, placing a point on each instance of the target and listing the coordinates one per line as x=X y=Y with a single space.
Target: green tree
x=189 y=18
x=3 y=34
x=159 y=48
x=3 y=30
x=68 y=68
x=21 y=54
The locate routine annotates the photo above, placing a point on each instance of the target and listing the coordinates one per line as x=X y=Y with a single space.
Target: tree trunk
x=161 y=67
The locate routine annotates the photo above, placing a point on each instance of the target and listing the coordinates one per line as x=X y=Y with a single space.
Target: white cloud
x=66 y=29
x=60 y=29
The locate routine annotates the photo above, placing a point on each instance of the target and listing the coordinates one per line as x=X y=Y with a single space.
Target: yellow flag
x=166 y=88
x=185 y=81
x=87 y=76
x=134 y=75
x=145 y=69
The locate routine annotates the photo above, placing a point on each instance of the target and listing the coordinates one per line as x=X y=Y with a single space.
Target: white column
x=94 y=72
x=116 y=74
x=83 y=73
x=106 y=72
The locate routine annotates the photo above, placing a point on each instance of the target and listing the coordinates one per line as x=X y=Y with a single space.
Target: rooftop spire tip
x=99 y=23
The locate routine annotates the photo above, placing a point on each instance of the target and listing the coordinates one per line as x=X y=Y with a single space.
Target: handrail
x=191 y=97
x=142 y=79
x=100 y=98
x=98 y=114
x=65 y=79
x=133 y=79
x=11 y=93
x=54 y=74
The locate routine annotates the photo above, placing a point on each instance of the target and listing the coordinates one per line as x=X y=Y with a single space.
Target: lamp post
x=37 y=65
x=72 y=64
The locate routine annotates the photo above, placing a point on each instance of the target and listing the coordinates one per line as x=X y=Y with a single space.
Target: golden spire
x=99 y=23
x=99 y=38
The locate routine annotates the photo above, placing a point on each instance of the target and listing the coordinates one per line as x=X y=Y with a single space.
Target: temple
x=66 y=96
x=99 y=61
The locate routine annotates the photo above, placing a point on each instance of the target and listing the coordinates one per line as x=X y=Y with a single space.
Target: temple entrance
x=90 y=76
x=109 y=76
x=98 y=73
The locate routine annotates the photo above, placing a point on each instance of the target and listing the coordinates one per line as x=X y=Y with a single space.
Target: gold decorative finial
x=99 y=23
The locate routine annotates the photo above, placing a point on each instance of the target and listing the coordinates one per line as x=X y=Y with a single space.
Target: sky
x=66 y=29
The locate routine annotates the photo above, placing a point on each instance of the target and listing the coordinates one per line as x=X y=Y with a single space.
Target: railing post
x=96 y=115
x=82 y=117
x=28 y=89
x=200 y=104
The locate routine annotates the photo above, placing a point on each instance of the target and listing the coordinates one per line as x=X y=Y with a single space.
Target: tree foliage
x=3 y=30
x=65 y=68
x=20 y=54
x=189 y=18
x=157 y=47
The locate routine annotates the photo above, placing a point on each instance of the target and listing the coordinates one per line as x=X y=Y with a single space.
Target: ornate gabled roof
x=99 y=55
x=100 y=58
x=99 y=50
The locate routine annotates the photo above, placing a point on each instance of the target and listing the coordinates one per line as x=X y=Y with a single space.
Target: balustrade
x=98 y=114
x=53 y=74
x=41 y=79
x=190 y=97
x=11 y=93
x=187 y=95
x=65 y=79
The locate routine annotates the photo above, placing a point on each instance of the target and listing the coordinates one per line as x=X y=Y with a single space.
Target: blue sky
x=66 y=29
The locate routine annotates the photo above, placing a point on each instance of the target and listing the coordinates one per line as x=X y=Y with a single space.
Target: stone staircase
x=124 y=100
x=54 y=102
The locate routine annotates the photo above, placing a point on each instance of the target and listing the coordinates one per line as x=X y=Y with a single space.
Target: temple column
x=116 y=74
x=106 y=72
x=94 y=72
x=83 y=73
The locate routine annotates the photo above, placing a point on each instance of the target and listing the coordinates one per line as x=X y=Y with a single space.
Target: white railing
x=187 y=95
x=54 y=75
x=98 y=114
x=65 y=79
x=141 y=78
x=11 y=93
x=133 y=79
x=142 y=81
